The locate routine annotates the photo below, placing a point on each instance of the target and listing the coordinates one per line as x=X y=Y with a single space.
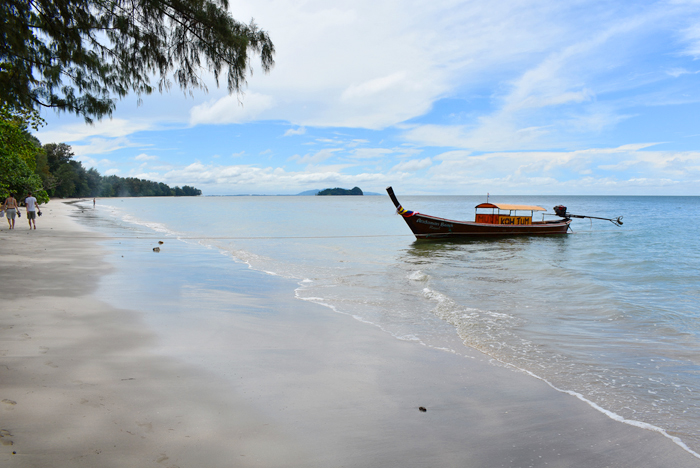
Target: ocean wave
x=418 y=276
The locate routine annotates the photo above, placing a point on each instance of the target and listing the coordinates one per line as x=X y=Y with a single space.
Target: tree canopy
x=18 y=153
x=79 y=55
x=50 y=170
x=64 y=177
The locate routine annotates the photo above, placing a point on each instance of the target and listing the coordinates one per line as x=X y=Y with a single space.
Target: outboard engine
x=560 y=210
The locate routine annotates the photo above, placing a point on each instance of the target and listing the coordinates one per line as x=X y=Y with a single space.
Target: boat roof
x=507 y=206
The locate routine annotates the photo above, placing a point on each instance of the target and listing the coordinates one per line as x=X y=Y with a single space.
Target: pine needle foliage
x=79 y=56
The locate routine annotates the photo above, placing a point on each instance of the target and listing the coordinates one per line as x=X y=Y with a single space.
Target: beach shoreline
x=84 y=383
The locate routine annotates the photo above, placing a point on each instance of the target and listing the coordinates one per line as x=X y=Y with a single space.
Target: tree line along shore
x=49 y=171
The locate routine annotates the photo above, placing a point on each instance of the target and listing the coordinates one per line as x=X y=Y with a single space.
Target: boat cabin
x=503 y=213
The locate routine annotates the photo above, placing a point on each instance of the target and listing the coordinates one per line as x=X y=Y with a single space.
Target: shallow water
x=609 y=313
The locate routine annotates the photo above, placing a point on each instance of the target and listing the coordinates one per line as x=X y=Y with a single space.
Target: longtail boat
x=491 y=219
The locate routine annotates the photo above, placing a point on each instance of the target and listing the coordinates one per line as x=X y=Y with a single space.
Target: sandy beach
x=86 y=384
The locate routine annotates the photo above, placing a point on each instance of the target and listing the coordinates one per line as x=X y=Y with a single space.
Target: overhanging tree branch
x=80 y=55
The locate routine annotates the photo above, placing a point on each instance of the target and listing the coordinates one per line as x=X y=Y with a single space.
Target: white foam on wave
x=451 y=312
x=242 y=256
x=153 y=226
x=408 y=338
x=322 y=302
x=403 y=337
x=610 y=414
x=418 y=276
x=157 y=227
x=448 y=310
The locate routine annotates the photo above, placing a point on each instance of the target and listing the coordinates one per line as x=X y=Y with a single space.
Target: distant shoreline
x=371 y=194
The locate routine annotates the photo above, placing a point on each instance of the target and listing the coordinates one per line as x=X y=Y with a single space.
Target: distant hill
x=341 y=191
x=315 y=191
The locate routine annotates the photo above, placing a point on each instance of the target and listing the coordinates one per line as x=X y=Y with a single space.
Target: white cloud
x=412 y=165
x=231 y=109
x=491 y=136
x=295 y=131
x=407 y=57
x=329 y=74
x=566 y=77
x=145 y=157
x=113 y=171
x=676 y=72
x=614 y=170
x=317 y=157
x=568 y=171
x=246 y=179
x=619 y=167
x=155 y=176
x=372 y=87
x=86 y=161
x=89 y=162
x=326 y=168
x=370 y=153
x=691 y=35
x=102 y=145
x=108 y=128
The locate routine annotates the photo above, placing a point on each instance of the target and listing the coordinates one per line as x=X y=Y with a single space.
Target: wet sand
x=267 y=381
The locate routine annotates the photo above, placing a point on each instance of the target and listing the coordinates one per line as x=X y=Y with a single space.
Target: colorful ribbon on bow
x=404 y=212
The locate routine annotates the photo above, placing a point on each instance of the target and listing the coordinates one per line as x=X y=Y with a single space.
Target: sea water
x=609 y=314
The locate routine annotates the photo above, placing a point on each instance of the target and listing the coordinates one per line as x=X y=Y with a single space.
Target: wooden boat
x=499 y=220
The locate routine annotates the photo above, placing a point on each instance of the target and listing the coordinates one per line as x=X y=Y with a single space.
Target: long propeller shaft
x=616 y=221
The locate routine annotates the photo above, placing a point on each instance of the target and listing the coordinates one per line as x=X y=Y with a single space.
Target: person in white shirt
x=32 y=206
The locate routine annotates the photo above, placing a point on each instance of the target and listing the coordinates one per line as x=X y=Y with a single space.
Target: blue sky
x=432 y=97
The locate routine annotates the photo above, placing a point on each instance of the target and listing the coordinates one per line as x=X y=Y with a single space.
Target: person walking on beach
x=10 y=206
x=32 y=207
x=93 y=203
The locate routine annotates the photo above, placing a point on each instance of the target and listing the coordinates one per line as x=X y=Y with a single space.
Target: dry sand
x=82 y=384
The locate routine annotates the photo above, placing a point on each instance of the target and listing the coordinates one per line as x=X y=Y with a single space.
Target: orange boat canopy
x=505 y=206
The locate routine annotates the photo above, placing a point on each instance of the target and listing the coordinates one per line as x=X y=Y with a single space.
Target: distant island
x=341 y=191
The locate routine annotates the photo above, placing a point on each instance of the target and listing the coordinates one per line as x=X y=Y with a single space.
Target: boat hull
x=431 y=227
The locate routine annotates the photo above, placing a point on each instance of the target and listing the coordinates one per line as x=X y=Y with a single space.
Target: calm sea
x=609 y=314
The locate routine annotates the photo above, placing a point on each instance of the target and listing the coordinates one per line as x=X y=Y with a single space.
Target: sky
x=441 y=97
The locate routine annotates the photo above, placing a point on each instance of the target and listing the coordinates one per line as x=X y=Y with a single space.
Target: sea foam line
x=441 y=299
x=413 y=338
x=321 y=301
x=608 y=413
x=160 y=228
